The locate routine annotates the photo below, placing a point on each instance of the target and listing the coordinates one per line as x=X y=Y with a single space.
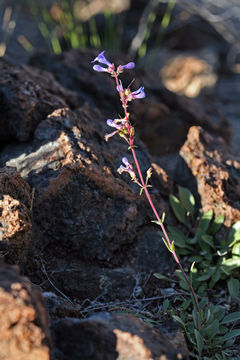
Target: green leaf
x=208 y=239
x=203 y=224
x=178 y=237
x=187 y=200
x=199 y=341
x=166 y=244
x=163 y=277
x=231 y=334
x=216 y=225
x=156 y=222
x=229 y=264
x=215 y=278
x=166 y=304
x=212 y=329
x=235 y=316
x=192 y=241
x=207 y=274
x=234 y=233
x=236 y=251
x=233 y=287
x=180 y=322
x=185 y=304
x=196 y=258
x=178 y=210
x=183 y=285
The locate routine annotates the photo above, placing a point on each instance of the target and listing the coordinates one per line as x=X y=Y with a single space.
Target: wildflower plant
x=125 y=129
x=204 y=329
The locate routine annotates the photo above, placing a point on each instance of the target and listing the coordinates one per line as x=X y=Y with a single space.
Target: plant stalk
x=131 y=143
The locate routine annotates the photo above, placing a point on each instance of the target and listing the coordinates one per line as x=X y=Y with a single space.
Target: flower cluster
x=129 y=169
x=110 y=67
x=122 y=126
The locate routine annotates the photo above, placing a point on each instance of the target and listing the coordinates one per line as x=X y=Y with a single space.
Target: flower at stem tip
x=110 y=67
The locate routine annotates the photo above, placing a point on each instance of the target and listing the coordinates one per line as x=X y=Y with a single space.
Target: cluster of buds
x=130 y=95
x=129 y=169
x=122 y=126
x=110 y=68
x=122 y=129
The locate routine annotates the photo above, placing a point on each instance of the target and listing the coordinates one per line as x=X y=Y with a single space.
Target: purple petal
x=139 y=94
x=125 y=161
x=99 y=68
x=130 y=65
x=101 y=58
x=120 y=86
x=113 y=124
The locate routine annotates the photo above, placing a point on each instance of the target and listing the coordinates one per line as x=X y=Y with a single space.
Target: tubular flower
x=116 y=126
x=102 y=60
x=138 y=94
x=129 y=65
x=127 y=168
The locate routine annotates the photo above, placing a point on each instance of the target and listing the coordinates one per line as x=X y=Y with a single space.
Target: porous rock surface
x=153 y=116
x=113 y=336
x=15 y=216
x=27 y=96
x=23 y=321
x=84 y=212
x=217 y=173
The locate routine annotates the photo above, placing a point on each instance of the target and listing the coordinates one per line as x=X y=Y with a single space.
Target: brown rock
x=217 y=173
x=23 y=320
x=110 y=336
x=27 y=96
x=153 y=116
x=15 y=216
x=84 y=212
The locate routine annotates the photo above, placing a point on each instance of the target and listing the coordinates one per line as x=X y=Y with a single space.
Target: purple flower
x=99 y=68
x=129 y=65
x=125 y=161
x=101 y=59
x=138 y=94
x=127 y=168
x=120 y=87
x=113 y=124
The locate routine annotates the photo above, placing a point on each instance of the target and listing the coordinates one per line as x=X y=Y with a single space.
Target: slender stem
x=131 y=143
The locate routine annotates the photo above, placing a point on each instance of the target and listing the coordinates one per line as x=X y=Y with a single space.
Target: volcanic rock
x=153 y=116
x=84 y=213
x=27 y=96
x=15 y=216
x=112 y=336
x=23 y=321
x=217 y=173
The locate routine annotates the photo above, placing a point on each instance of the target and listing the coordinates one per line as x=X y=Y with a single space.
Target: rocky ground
x=77 y=247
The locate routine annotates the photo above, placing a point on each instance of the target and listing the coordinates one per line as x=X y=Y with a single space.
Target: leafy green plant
x=212 y=340
x=213 y=260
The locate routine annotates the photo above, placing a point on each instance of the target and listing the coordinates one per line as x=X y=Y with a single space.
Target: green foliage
x=214 y=260
x=61 y=25
x=207 y=331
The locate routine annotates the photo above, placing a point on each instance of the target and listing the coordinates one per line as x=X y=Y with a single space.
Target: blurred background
x=151 y=31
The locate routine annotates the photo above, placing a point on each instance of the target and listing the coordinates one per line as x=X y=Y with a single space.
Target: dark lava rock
x=27 y=96
x=110 y=336
x=23 y=321
x=153 y=116
x=15 y=216
x=85 y=214
x=217 y=173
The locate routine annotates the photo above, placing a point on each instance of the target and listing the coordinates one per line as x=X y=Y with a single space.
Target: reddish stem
x=131 y=143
